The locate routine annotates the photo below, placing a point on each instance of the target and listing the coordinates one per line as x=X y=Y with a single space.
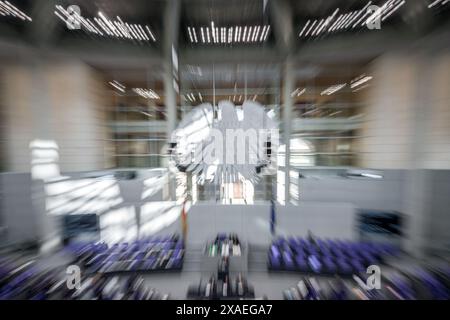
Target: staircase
x=257 y=258
x=193 y=259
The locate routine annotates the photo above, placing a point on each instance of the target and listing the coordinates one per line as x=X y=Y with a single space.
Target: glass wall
x=328 y=112
x=138 y=123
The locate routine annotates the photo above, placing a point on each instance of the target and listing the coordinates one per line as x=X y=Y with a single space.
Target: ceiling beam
x=283 y=26
x=110 y=53
x=42 y=32
x=204 y=55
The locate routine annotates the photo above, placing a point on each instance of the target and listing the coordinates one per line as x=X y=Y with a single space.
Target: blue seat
x=274 y=262
x=148 y=264
x=436 y=288
x=403 y=287
x=302 y=265
x=97 y=259
x=357 y=266
x=314 y=264
x=330 y=266
x=179 y=244
x=344 y=267
x=275 y=252
x=288 y=261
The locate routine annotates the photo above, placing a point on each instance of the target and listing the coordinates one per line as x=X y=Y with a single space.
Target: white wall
x=25 y=203
x=384 y=194
x=389 y=117
x=331 y=219
x=436 y=142
x=16 y=208
x=26 y=218
x=58 y=100
x=407 y=118
x=438 y=207
x=407 y=126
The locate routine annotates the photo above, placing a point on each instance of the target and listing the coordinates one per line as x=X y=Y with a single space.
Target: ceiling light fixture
x=366 y=12
x=195 y=35
x=393 y=10
x=297 y=92
x=7 y=9
x=146 y=93
x=359 y=81
x=312 y=26
x=345 y=21
x=301 y=92
x=112 y=28
x=361 y=88
x=116 y=84
x=229 y=35
x=190 y=34
x=327 y=21
x=435 y=3
x=333 y=89
x=334 y=113
x=304 y=28
x=213 y=32
x=333 y=26
x=203 y=35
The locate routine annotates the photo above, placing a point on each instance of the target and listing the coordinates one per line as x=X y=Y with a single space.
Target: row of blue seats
x=146 y=244
x=157 y=253
x=421 y=283
x=23 y=281
x=326 y=256
x=163 y=260
x=335 y=247
x=436 y=283
x=27 y=281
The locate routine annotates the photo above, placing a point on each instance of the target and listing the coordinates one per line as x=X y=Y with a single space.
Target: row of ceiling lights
x=7 y=9
x=298 y=92
x=333 y=89
x=117 y=28
x=350 y=20
x=116 y=84
x=228 y=35
x=136 y=31
x=318 y=112
x=191 y=97
x=357 y=84
x=143 y=92
x=113 y=28
x=146 y=93
x=241 y=97
x=437 y=2
x=360 y=83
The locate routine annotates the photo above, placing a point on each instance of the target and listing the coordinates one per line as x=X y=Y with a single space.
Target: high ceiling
x=234 y=62
x=412 y=16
